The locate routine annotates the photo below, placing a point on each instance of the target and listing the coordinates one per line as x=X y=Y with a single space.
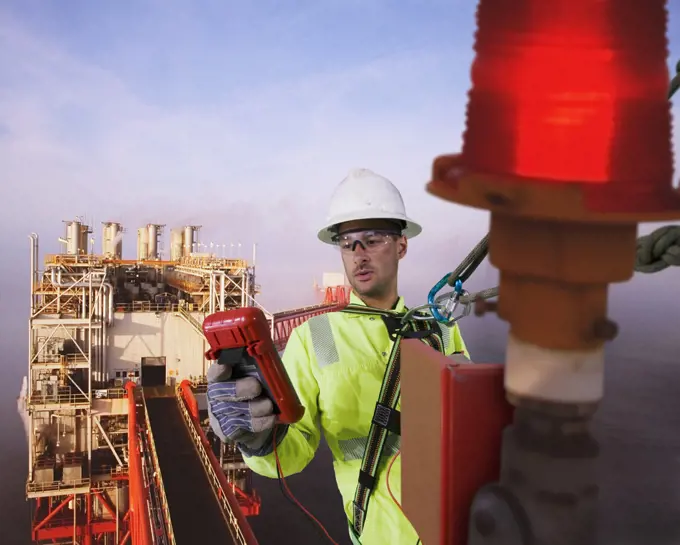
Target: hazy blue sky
x=240 y=116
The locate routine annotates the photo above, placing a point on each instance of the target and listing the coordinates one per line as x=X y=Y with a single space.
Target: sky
x=241 y=117
x=237 y=116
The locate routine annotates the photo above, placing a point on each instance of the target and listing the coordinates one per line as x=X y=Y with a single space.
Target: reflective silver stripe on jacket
x=446 y=335
x=322 y=340
x=326 y=353
x=353 y=449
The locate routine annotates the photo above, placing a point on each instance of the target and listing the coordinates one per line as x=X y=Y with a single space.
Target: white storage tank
x=190 y=239
x=153 y=241
x=112 y=240
x=73 y=237
x=142 y=243
x=84 y=232
x=175 y=244
x=155 y=231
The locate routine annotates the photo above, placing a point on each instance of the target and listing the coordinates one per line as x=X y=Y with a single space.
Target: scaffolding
x=77 y=440
x=214 y=284
x=99 y=325
x=78 y=474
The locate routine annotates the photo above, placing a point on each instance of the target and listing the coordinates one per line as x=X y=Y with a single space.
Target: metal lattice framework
x=94 y=476
x=77 y=455
x=214 y=284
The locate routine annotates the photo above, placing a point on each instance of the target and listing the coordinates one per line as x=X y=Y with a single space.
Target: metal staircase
x=182 y=312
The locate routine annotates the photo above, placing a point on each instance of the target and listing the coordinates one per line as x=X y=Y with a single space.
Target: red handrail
x=140 y=525
x=192 y=407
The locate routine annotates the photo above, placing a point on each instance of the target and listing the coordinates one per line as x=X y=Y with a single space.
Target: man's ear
x=402 y=247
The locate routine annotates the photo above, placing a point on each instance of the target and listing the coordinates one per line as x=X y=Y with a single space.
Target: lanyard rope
x=386 y=417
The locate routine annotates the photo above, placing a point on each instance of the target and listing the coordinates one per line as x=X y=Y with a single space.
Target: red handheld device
x=233 y=332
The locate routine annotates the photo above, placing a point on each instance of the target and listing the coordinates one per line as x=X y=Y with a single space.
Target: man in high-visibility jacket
x=337 y=363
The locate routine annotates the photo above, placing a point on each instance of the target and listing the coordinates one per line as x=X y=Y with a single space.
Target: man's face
x=371 y=251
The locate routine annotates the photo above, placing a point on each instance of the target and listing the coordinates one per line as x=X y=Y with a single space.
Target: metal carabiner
x=450 y=305
x=431 y=296
x=412 y=314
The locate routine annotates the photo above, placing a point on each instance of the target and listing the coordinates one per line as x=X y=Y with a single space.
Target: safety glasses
x=371 y=241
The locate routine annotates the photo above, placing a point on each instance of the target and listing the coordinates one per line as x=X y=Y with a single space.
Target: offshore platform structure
x=568 y=145
x=116 y=391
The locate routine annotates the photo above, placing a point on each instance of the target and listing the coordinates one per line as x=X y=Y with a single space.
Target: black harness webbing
x=386 y=417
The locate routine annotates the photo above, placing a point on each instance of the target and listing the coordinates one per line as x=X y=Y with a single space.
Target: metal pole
x=89 y=382
x=211 y=291
x=118 y=512
x=33 y=240
x=29 y=381
x=29 y=393
x=223 y=281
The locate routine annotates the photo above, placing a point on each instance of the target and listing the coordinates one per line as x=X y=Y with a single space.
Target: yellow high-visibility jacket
x=336 y=363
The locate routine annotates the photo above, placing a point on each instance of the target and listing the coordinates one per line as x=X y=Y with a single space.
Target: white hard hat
x=363 y=194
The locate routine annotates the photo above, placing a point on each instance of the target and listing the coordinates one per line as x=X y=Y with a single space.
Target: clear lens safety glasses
x=370 y=241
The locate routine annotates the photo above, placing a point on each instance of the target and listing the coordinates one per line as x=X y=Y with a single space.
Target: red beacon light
x=569 y=96
x=234 y=333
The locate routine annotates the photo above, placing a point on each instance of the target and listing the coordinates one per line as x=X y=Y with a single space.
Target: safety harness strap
x=386 y=418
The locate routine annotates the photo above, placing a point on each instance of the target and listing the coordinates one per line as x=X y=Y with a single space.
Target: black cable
x=471 y=262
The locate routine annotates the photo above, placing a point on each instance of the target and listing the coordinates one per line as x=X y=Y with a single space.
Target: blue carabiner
x=458 y=288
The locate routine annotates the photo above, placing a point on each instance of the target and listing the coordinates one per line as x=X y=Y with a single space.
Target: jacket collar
x=355 y=300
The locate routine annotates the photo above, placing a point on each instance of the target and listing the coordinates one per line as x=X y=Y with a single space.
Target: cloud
x=84 y=118
x=78 y=138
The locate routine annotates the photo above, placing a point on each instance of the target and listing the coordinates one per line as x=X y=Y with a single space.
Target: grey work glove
x=237 y=409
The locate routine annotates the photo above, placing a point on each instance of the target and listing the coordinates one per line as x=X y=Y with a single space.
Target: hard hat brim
x=326 y=234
